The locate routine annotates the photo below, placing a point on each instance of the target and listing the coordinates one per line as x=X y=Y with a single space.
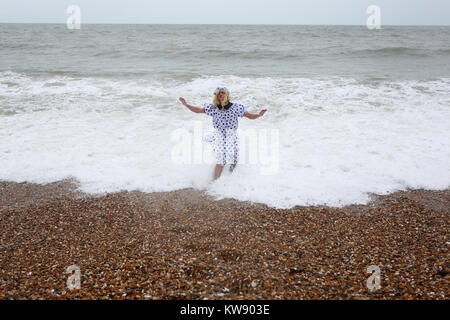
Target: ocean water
x=351 y=111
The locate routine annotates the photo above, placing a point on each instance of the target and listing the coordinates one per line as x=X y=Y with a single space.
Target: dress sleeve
x=208 y=109
x=241 y=110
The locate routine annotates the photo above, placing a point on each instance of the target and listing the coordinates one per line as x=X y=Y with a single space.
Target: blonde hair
x=216 y=101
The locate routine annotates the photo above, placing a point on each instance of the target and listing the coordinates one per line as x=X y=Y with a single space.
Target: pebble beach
x=186 y=245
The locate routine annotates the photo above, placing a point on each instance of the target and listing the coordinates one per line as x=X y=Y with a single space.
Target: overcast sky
x=349 y=12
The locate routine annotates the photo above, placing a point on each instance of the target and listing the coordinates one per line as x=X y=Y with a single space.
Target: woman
x=225 y=121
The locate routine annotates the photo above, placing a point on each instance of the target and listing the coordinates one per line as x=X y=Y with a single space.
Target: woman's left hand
x=262 y=112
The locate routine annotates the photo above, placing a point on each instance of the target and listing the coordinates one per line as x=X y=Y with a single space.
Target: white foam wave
x=339 y=138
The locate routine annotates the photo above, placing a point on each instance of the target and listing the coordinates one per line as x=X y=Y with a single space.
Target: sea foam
x=339 y=138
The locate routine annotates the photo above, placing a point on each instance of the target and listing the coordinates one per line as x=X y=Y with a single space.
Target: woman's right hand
x=182 y=100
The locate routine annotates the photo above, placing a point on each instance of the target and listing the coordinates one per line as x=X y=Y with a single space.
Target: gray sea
x=184 y=52
x=351 y=111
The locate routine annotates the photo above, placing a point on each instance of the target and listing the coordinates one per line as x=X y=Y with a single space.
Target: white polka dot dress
x=224 y=140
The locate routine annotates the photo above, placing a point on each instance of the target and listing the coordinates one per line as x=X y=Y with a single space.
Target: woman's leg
x=235 y=148
x=219 y=148
x=218 y=171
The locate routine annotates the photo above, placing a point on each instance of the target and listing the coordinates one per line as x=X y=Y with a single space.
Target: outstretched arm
x=192 y=108
x=255 y=115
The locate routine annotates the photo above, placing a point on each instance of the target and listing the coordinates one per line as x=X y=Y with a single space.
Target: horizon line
x=236 y=24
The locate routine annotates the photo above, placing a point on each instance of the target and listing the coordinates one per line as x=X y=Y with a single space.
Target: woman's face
x=221 y=95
